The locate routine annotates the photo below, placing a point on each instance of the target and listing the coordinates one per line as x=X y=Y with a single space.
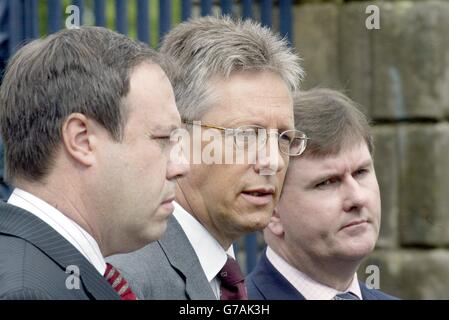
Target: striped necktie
x=345 y=296
x=118 y=283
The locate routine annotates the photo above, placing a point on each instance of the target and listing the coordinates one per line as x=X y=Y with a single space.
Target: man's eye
x=286 y=138
x=162 y=141
x=246 y=133
x=361 y=172
x=327 y=183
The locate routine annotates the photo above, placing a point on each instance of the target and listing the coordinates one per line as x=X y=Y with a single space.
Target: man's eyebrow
x=365 y=163
x=335 y=174
x=173 y=127
x=240 y=123
x=164 y=129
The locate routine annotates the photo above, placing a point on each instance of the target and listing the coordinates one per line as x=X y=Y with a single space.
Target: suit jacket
x=165 y=269
x=265 y=282
x=34 y=259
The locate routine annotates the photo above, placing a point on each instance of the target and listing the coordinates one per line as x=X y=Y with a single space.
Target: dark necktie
x=118 y=283
x=232 y=282
x=346 y=296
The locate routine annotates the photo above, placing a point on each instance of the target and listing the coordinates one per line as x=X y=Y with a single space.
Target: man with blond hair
x=235 y=80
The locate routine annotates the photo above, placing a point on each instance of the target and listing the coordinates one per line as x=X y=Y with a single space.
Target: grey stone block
x=411 y=60
x=387 y=172
x=424 y=184
x=355 y=54
x=410 y=274
x=316 y=40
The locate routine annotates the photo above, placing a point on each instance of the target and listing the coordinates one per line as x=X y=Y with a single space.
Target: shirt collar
x=309 y=288
x=210 y=253
x=65 y=226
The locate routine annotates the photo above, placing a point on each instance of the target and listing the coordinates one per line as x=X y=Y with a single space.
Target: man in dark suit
x=86 y=116
x=328 y=217
x=235 y=83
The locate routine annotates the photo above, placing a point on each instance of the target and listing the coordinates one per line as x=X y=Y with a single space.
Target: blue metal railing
x=247 y=11
x=100 y=14
x=226 y=7
x=54 y=16
x=32 y=24
x=286 y=18
x=121 y=16
x=206 y=7
x=266 y=13
x=23 y=24
x=80 y=5
x=186 y=9
x=164 y=17
x=143 y=21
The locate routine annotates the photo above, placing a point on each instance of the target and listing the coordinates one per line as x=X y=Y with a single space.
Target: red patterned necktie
x=118 y=283
x=232 y=282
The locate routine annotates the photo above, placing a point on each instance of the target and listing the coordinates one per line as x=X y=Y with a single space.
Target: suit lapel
x=368 y=294
x=182 y=257
x=271 y=283
x=17 y=222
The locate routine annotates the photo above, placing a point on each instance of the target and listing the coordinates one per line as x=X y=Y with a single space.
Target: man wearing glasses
x=232 y=145
x=236 y=81
x=328 y=217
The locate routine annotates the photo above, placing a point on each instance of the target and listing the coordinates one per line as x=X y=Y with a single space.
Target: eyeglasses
x=291 y=142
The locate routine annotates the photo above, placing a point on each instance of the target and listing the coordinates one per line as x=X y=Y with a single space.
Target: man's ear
x=78 y=139
x=275 y=224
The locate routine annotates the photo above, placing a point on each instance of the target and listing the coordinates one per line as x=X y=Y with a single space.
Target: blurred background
x=398 y=73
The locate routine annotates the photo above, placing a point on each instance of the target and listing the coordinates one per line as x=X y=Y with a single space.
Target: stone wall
x=400 y=76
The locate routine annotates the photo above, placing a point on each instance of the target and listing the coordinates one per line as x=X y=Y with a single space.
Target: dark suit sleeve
x=26 y=294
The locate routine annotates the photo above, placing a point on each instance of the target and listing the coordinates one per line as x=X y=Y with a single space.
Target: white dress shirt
x=309 y=288
x=210 y=253
x=63 y=225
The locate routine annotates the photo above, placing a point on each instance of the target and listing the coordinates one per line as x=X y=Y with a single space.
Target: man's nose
x=270 y=160
x=355 y=195
x=179 y=166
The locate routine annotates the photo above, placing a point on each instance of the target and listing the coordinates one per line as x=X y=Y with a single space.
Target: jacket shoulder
x=254 y=292
x=28 y=273
x=150 y=274
x=26 y=294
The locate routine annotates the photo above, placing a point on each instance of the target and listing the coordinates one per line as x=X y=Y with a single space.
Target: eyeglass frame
x=233 y=130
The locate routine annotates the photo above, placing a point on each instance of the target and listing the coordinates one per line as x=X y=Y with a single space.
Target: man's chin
x=359 y=252
x=154 y=233
x=255 y=221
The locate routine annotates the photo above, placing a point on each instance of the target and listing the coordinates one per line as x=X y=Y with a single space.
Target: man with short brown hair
x=328 y=217
x=86 y=117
